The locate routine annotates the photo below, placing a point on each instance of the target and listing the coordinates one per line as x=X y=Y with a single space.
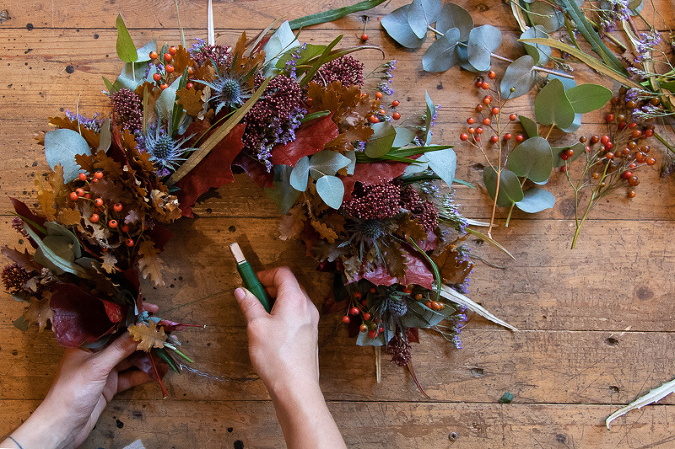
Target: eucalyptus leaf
x=430 y=114
x=576 y=124
x=588 y=97
x=546 y=16
x=61 y=146
x=300 y=174
x=422 y=317
x=105 y=136
x=327 y=162
x=144 y=51
x=510 y=190
x=364 y=340
x=282 y=193
x=551 y=105
x=281 y=41
x=636 y=6
x=417 y=19
x=397 y=26
x=463 y=57
x=454 y=16
x=52 y=260
x=441 y=55
x=529 y=125
x=532 y=159
x=443 y=163
x=132 y=76
x=422 y=163
x=536 y=200
x=540 y=53
x=404 y=136
x=331 y=190
x=381 y=141
x=167 y=99
x=483 y=40
x=126 y=50
x=352 y=162
x=520 y=76
x=568 y=83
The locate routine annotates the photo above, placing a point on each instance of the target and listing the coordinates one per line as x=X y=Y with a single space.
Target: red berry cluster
x=382 y=113
x=488 y=115
x=161 y=76
x=111 y=212
x=358 y=309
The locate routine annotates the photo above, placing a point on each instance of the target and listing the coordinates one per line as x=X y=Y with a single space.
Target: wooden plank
x=228 y=14
x=538 y=367
x=548 y=286
x=371 y=425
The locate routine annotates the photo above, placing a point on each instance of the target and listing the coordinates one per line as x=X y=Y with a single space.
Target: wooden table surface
x=596 y=322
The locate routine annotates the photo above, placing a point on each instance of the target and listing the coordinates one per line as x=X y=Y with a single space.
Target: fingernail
x=239 y=293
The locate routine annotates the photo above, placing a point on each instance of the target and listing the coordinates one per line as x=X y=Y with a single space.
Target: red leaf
x=310 y=138
x=416 y=272
x=160 y=235
x=170 y=326
x=141 y=360
x=212 y=172
x=413 y=334
x=372 y=173
x=24 y=211
x=79 y=318
x=113 y=310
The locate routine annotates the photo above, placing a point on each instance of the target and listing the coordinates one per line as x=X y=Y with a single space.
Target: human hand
x=282 y=344
x=83 y=386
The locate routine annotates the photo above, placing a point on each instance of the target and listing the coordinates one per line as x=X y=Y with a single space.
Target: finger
x=117 y=351
x=150 y=307
x=279 y=277
x=129 y=379
x=124 y=365
x=249 y=304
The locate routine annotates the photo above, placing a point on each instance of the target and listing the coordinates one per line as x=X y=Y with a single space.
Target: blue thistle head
x=228 y=90
x=165 y=151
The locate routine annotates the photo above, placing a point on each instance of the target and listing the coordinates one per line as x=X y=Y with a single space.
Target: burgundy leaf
x=255 y=170
x=24 y=259
x=79 y=318
x=212 y=172
x=24 y=211
x=160 y=235
x=170 y=326
x=416 y=272
x=310 y=138
x=113 y=310
x=372 y=173
x=141 y=360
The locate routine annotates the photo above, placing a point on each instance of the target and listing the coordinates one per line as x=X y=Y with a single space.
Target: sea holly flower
x=229 y=90
x=165 y=151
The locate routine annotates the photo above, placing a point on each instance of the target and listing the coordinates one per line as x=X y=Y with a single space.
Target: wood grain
x=596 y=321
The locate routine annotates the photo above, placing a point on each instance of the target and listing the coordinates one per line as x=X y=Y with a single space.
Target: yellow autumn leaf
x=149 y=262
x=148 y=336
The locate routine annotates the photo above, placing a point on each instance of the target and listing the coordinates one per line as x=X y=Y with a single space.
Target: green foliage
x=282 y=193
x=540 y=53
x=588 y=97
x=519 y=76
x=529 y=125
x=281 y=41
x=430 y=113
x=532 y=159
x=543 y=14
x=326 y=163
x=536 y=200
x=483 y=41
x=126 y=50
x=61 y=146
x=551 y=107
x=331 y=190
x=442 y=54
x=333 y=14
x=381 y=141
x=454 y=16
x=397 y=26
x=510 y=190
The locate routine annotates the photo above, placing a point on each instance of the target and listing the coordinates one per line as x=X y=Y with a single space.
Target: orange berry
x=512 y=117
x=129 y=242
x=396 y=116
x=464 y=136
x=367 y=316
x=94 y=218
x=345 y=319
x=394 y=103
x=82 y=176
x=118 y=207
x=382 y=112
x=379 y=95
x=153 y=55
x=495 y=110
x=74 y=196
x=169 y=68
x=373 y=119
x=492 y=75
x=189 y=85
x=494 y=139
x=172 y=51
x=98 y=175
x=98 y=202
x=163 y=86
x=363 y=328
x=80 y=192
x=112 y=223
x=156 y=76
x=358 y=295
x=651 y=161
x=168 y=57
x=364 y=37
x=631 y=194
x=486 y=121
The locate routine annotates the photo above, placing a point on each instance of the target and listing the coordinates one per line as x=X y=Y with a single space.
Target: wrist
x=44 y=429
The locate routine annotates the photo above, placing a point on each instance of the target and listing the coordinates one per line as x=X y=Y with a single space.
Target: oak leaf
x=109 y=262
x=46 y=199
x=68 y=217
x=292 y=224
x=149 y=262
x=149 y=336
x=409 y=227
x=38 y=312
x=190 y=100
x=453 y=267
x=324 y=231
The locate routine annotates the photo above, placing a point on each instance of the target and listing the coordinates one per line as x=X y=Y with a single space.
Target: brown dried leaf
x=395 y=261
x=109 y=262
x=45 y=197
x=181 y=60
x=190 y=100
x=292 y=224
x=324 y=231
x=149 y=336
x=38 y=312
x=149 y=263
x=409 y=227
x=165 y=205
x=453 y=268
x=91 y=136
x=68 y=217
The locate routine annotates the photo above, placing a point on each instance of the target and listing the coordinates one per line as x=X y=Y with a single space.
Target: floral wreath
x=370 y=201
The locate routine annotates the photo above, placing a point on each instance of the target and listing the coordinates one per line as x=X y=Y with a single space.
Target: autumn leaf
x=292 y=224
x=453 y=268
x=92 y=137
x=395 y=260
x=310 y=138
x=68 y=217
x=410 y=228
x=181 y=59
x=149 y=263
x=166 y=205
x=45 y=197
x=323 y=230
x=109 y=262
x=149 y=336
x=190 y=100
x=38 y=312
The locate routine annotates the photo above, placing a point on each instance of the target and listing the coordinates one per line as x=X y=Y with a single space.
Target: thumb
x=117 y=351
x=249 y=304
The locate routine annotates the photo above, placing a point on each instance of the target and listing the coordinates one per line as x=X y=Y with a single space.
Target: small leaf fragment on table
x=654 y=395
